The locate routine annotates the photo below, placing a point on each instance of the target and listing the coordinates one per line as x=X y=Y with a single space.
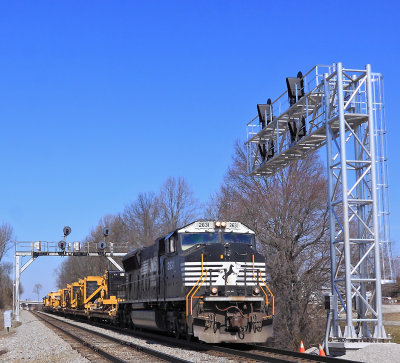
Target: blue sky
x=101 y=100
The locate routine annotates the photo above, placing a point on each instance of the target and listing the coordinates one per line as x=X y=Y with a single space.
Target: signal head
x=106 y=231
x=102 y=245
x=61 y=245
x=67 y=231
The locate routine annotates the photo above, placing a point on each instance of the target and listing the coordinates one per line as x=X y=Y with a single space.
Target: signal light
x=102 y=245
x=67 y=231
x=295 y=88
x=61 y=245
x=106 y=231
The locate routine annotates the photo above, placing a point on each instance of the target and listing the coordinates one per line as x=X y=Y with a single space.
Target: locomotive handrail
x=191 y=298
x=272 y=295
x=187 y=296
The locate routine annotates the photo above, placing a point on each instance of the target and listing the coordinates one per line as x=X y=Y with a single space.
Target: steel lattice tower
x=341 y=109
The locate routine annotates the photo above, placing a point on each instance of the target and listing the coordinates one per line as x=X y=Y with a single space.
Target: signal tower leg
x=329 y=137
x=17 y=281
x=353 y=208
x=379 y=332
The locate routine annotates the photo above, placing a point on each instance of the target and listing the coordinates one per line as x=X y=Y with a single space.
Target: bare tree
x=36 y=289
x=177 y=204
x=5 y=285
x=6 y=233
x=289 y=214
x=142 y=220
x=75 y=268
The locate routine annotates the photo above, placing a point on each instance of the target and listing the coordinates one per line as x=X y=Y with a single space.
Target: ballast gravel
x=376 y=352
x=32 y=341
x=176 y=351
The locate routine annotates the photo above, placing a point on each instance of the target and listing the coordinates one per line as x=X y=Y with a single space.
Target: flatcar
x=204 y=280
x=92 y=296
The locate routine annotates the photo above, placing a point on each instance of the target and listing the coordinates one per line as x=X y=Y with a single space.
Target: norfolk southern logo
x=228 y=276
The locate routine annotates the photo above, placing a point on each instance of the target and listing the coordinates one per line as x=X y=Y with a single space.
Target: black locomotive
x=204 y=280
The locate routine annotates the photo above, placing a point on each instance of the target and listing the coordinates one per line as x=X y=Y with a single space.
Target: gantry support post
x=17 y=278
x=379 y=332
x=332 y=229
x=349 y=331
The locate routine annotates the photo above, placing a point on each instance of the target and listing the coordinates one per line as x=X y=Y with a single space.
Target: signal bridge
x=342 y=109
x=36 y=249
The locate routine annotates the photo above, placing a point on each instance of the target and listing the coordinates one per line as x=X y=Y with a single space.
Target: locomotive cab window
x=238 y=238
x=191 y=239
x=171 y=245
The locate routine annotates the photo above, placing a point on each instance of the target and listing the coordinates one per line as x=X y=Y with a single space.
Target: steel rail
x=281 y=356
x=137 y=347
x=312 y=357
x=82 y=341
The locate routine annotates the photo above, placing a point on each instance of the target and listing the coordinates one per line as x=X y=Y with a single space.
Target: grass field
x=393 y=330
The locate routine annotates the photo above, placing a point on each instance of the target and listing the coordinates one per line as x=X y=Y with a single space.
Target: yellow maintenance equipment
x=54 y=299
x=112 y=292
x=74 y=292
x=64 y=298
x=91 y=288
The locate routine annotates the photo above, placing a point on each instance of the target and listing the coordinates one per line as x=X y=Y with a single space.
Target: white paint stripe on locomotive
x=214 y=281
x=228 y=286
x=198 y=263
x=194 y=279
x=198 y=268
x=217 y=272
x=248 y=272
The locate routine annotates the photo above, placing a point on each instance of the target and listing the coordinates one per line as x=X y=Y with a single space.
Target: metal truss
x=344 y=110
x=33 y=250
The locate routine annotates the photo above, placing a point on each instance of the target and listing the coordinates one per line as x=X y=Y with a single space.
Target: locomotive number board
x=211 y=225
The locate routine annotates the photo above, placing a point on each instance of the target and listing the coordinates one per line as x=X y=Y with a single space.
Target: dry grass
x=391 y=316
x=394 y=331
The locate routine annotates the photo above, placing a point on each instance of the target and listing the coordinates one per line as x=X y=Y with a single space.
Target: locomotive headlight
x=214 y=291
x=223 y=224
x=256 y=291
x=218 y=224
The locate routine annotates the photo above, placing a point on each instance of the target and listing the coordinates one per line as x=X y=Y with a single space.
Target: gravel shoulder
x=34 y=342
x=376 y=352
x=190 y=355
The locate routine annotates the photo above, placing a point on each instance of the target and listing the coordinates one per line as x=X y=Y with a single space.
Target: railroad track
x=245 y=352
x=96 y=346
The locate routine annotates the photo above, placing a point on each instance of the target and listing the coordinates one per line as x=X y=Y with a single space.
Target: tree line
x=148 y=217
x=6 y=284
x=288 y=212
